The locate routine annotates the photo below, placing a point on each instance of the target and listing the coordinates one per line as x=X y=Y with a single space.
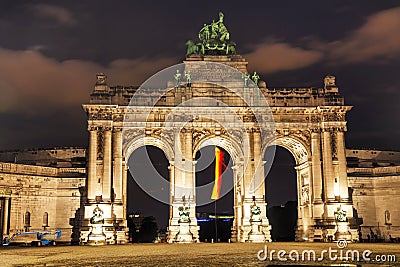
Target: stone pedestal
x=343 y=231
x=97 y=236
x=256 y=235
x=184 y=235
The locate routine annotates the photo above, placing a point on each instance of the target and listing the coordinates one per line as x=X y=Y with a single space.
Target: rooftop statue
x=255 y=78
x=177 y=77
x=214 y=40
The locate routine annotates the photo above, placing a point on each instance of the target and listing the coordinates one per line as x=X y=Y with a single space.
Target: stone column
x=248 y=168
x=117 y=170
x=316 y=166
x=92 y=180
x=5 y=215
x=189 y=182
x=179 y=166
x=125 y=170
x=237 y=207
x=341 y=154
x=327 y=164
x=171 y=169
x=259 y=189
x=300 y=207
x=107 y=165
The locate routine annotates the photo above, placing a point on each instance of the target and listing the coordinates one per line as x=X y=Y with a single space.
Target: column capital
x=187 y=130
x=315 y=130
x=117 y=130
x=92 y=128
x=327 y=129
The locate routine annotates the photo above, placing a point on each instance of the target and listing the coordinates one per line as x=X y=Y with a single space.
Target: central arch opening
x=281 y=193
x=215 y=217
x=144 y=211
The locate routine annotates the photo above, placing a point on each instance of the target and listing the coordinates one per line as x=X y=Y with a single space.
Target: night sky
x=50 y=52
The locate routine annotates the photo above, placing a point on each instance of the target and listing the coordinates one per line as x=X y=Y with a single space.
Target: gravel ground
x=203 y=254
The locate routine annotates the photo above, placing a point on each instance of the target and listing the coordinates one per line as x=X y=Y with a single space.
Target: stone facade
x=309 y=122
x=374 y=179
x=39 y=197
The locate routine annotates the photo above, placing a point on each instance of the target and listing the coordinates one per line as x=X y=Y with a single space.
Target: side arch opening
x=147 y=216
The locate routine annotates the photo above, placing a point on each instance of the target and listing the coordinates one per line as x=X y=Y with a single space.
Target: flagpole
x=215 y=221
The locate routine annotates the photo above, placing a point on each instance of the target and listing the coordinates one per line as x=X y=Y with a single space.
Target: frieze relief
x=304 y=136
x=337 y=116
x=100 y=139
x=249 y=118
x=305 y=179
x=333 y=145
x=118 y=117
x=168 y=135
x=100 y=114
x=305 y=195
x=237 y=135
x=199 y=134
x=315 y=118
x=131 y=134
x=340 y=116
x=156 y=132
x=4 y=191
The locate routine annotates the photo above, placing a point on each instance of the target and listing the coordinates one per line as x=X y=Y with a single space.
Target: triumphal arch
x=211 y=99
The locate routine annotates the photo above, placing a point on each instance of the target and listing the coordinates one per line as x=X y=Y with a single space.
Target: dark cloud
x=54 y=13
x=30 y=81
x=378 y=38
x=274 y=57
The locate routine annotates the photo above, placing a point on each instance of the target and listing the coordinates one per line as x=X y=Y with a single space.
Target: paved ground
x=204 y=254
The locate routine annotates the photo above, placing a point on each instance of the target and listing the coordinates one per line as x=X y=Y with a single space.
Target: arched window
x=45 y=219
x=27 y=219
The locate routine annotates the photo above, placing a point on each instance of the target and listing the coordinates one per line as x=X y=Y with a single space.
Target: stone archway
x=148 y=188
x=140 y=141
x=308 y=122
x=301 y=154
x=240 y=229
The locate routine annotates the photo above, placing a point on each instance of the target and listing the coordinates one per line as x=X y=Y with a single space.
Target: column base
x=183 y=232
x=97 y=236
x=111 y=230
x=184 y=235
x=256 y=235
x=106 y=238
x=255 y=232
x=327 y=230
x=343 y=231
